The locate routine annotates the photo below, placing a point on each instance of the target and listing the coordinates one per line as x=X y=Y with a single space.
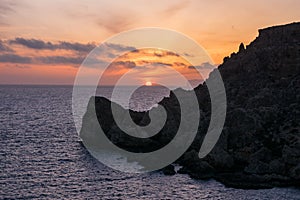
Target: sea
x=41 y=156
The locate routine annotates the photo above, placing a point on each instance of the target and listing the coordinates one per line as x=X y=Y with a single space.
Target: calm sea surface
x=41 y=156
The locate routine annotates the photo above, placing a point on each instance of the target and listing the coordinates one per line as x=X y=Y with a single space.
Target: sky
x=45 y=41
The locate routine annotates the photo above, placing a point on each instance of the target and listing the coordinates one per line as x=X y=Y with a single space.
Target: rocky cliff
x=260 y=143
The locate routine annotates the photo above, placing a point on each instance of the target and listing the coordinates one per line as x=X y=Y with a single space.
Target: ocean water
x=41 y=156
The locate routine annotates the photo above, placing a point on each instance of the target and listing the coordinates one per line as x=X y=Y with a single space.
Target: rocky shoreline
x=260 y=143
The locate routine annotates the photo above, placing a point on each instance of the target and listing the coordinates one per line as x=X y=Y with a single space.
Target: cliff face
x=260 y=143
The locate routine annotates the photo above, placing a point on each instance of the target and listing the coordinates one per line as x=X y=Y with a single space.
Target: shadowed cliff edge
x=260 y=143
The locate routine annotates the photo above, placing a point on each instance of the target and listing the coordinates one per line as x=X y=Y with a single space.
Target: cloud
x=77 y=46
x=155 y=53
x=6 y=7
x=169 y=53
x=130 y=65
x=4 y=47
x=116 y=22
x=33 y=43
x=160 y=64
x=153 y=63
x=13 y=58
x=179 y=64
x=94 y=63
x=188 y=55
x=135 y=51
x=205 y=65
x=61 y=60
x=110 y=55
x=113 y=18
x=112 y=48
x=9 y=54
x=174 y=9
x=166 y=53
x=120 y=47
x=115 y=25
x=123 y=64
x=40 y=44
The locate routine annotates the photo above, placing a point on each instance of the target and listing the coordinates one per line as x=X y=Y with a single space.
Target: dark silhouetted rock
x=260 y=143
x=196 y=167
x=169 y=170
x=241 y=47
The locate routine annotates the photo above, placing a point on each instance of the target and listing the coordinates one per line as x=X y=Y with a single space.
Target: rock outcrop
x=260 y=143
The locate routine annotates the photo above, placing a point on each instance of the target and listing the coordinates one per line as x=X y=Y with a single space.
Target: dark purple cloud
x=60 y=60
x=78 y=47
x=40 y=44
x=54 y=60
x=33 y=43
x=13 y=58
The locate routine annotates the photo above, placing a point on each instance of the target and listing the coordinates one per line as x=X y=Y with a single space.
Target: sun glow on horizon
x=148 y=83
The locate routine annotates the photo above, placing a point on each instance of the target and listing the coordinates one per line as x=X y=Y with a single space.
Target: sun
x=148 y=83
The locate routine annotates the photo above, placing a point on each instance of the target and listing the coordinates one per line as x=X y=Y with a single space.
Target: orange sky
x=150 y=65
x=44 y=42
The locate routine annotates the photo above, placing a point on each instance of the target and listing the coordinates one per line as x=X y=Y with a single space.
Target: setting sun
x=148 y=83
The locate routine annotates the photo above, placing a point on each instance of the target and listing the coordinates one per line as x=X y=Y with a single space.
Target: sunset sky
x=45 y=41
